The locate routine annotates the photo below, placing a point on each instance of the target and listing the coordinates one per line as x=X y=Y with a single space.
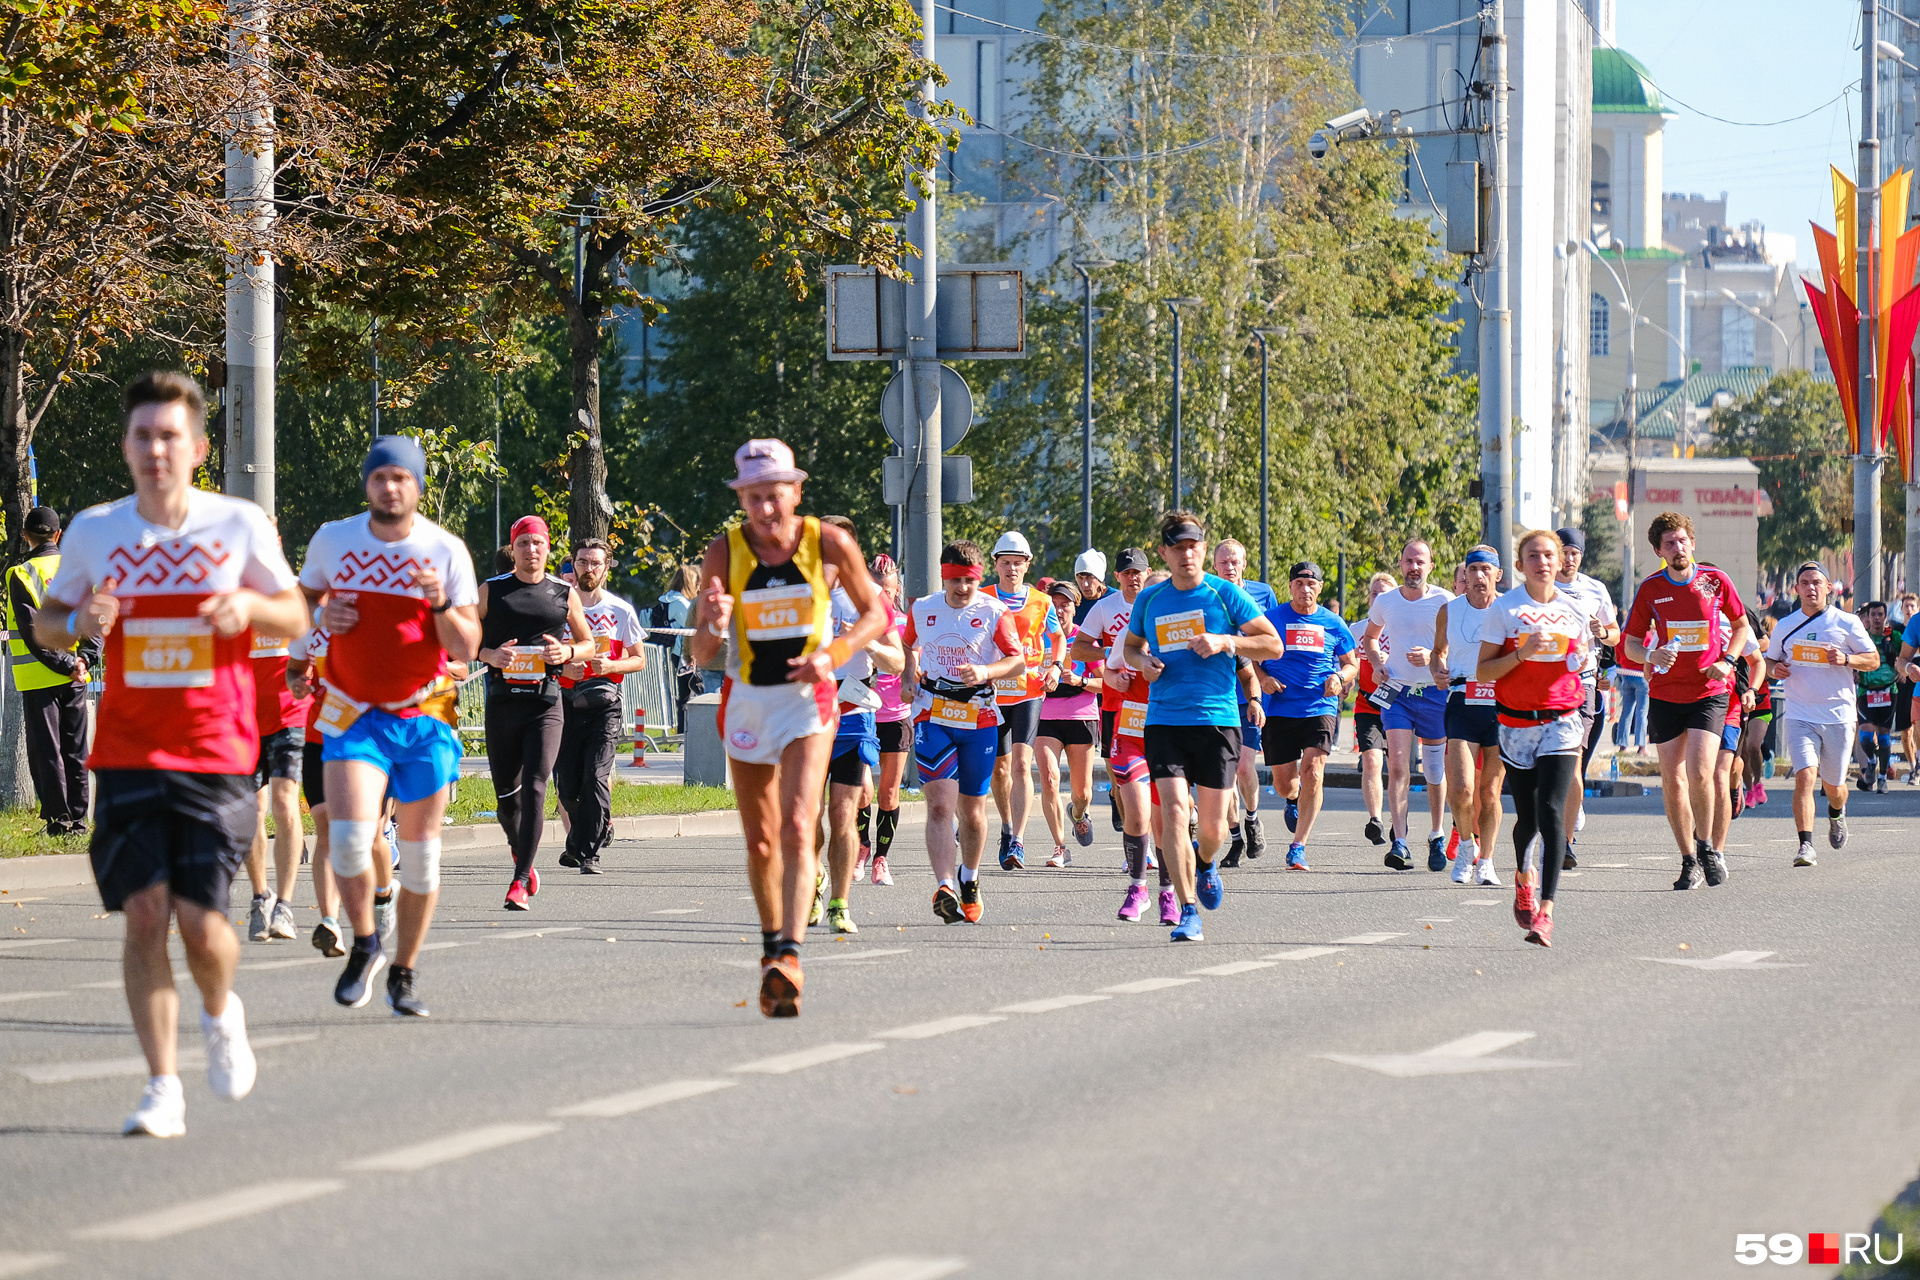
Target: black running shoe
x=1006 y=847
x=1113 y=807
x=946 y=905
x=568 y=858
x=355 y=987
x=400 y=997
x=1374 y=831
x=1569 y=862
x=1714 y=863
x=1689 y=874
x=1238 y=847
x=1256 y=838
x=590 y=865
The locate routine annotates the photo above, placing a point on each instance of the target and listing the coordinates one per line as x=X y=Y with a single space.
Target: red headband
x=970 y=572
x=528 y=524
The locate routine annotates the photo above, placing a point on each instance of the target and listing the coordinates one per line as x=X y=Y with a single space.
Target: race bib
x=1305 y=637
x=524 y=665
x=1479 y=693
x=1691 y=635
x=1880 y=697
x=168 y=653
x=777 y=613
x=603 y=647
x=955 y=715
x=337 y=713
x=1011 y=686
x=1807 y=651
x=1553 y=647
x=268 y=646
x=1132 y=720
x=1173 y=630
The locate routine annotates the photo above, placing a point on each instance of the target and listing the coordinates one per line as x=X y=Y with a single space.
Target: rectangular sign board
x=956 y=480
x=981 y=315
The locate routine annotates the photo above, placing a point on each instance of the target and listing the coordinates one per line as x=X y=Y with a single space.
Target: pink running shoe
x=1134 y=904
x=860 y=863
x=1169 y=907
x=1759 y=793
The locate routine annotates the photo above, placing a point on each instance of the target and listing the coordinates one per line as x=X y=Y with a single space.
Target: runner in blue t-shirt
x=1319 y=662
x=1244 y=832
x=1185 y=637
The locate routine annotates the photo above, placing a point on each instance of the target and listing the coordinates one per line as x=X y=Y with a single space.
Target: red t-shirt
x=1691 y=611
x=275 y=707
x=1544 y=681
x=1368 y=681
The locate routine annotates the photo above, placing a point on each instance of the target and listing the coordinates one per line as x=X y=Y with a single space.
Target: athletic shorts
x=856 y=749
x=1206 y=755
x=280 y=756
x=188 y=831
x=1128 y=763
x=757 y=721
x=1877 y=717
x=1669 y=720
x=1522 y=746
x=1730 y=737
x=1368 y=733
x=1251 y=734
x=1477 y=726
x=896 y=736
x=1107 y=719
x=1825 y=747
x=419 y=754
x=1903 y=707
x=955 y=755
x=1423 y=710
x=313 y=775
x=1290 y=737
x=1068 y=733
x=1019 y=722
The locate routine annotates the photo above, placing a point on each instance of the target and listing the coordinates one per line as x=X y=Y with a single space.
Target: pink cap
x=764 y=462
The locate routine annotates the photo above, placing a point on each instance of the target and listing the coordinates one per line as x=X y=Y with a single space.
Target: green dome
x=1621 y=83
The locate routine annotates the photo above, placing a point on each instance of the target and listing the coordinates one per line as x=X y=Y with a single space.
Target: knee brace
x=350 y=847
x=1433 y=763
x=420 y=865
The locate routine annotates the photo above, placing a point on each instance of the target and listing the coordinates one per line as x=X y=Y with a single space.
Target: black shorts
x=313 y=775
x=896 y=736
x=1877 y=717
x=1206 y=755
x=1287 y=738
x=1903 y=707
x=1107 y=721
x=1068 y=733
x=1669 y=720
x=280 y=756
x=848 y=769
x=188 y=831
x=1018 y=723
x=1368 y=733
x=1479 y=726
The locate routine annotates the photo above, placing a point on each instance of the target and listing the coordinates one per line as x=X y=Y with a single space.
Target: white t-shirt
x=1595 y=603
x=1410 y=625
x=856 y=673
x=1815 y=692
x=616 y=631
x=946 y=637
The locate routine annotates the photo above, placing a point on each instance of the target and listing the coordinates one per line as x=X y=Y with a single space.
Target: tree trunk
x=16 y=438
x=589 y=512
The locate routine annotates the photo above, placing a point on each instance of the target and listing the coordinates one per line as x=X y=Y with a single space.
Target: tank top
x=524 y=612
x=1463 y=639
x=892 y=709
x=780 y=611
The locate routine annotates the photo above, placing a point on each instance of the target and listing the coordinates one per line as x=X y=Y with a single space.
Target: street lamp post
x=1263 y=335
x=1175 y=304
x=1786 y=344
x=1633 y=427
x=1085 y=268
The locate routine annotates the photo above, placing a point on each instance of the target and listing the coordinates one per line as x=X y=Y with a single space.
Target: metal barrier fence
x=647 y=699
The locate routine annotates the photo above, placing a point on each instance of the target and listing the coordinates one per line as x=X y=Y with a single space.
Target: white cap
x=1092 y=562
x=1012 y=544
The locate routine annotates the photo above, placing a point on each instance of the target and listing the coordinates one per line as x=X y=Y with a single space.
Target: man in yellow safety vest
x=52 y=683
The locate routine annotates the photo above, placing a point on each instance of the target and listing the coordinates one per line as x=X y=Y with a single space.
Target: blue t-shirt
x=1261 y=594
x=1912 y=634
x=1314 y=644
x=1192 y=690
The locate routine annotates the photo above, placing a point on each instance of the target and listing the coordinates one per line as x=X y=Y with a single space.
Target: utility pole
x=1496 y=321
x=1265 y=566
x=1086 y=400
x=1866 y=462
x=924 y=539
x=1176 y=305
x=250 y=277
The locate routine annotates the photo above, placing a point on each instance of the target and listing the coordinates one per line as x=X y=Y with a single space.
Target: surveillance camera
x=1351 y=118
x=1318 y=145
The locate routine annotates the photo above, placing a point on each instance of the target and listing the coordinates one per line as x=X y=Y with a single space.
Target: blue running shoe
x=1297 y=858
x=1397 y=856
x=1014 y=856
x=1188 y=930
x=1436 y=852
x=1293 y=815
x=1209 y=889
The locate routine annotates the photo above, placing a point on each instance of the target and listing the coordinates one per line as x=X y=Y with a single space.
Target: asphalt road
x=1048 y=1094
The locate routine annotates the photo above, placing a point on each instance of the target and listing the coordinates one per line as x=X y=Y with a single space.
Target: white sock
x=1138 y=884
x=968 y=874
x=169 y=1084
x=1470 y=850
x=945 y=883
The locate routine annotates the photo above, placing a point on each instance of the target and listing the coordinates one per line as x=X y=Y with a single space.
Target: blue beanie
x=396 y=451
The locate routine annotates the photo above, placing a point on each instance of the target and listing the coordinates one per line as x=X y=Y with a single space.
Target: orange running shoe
x=780 y=983
x=970 y=900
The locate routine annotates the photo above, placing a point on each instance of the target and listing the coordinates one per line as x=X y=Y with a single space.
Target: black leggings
x=1540 y=807
x=523 y=737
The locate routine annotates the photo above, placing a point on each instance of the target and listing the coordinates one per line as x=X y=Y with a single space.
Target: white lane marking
x=838 y=955
x=1654 y=857
x=1479 y=902
x=1228 y=970
x=1731 y=960
x=18 y=1264
x=259 y=1198
x=102 y=1068
x=1050 y=1004
x=1145 y=985
x=938 y=1027
x=1565 y=874
x=903 y=1269
x=455 y=1146
x=1303 y=953
x=1366 y=939
x=11 y=996
x=781 y=1064
x=528 y=933
x=677 y=911
x=1467 y=1055
x=20 y=944
x=1610 y=865
x=438 y=946
x=623 y=1104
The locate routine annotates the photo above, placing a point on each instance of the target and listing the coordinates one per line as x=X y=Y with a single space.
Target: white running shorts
x=1822 y=746
x=757 y=721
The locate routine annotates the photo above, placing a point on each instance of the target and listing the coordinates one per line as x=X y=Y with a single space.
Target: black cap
x=1131 y=558
x=42 y=520
x=1306 y=569
x=1575 y=538
x=1185 y=531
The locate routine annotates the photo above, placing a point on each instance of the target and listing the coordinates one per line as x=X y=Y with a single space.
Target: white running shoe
x=1061 y=857
x=1580 y=822
x=1485 y=874
x=230 y=1064
x=386 y=917
x=1463 y=861
x=162 y=1112
x=280 y=924
x=259 y=915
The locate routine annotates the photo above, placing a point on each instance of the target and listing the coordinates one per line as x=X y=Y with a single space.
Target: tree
x=1793 y=430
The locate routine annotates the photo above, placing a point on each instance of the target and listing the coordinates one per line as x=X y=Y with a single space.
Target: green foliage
x=1793 y=431
x=1602 y=558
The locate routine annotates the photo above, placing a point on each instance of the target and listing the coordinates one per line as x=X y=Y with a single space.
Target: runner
x=1069 y=719
x=893 y=724
x=282 y=721
x=306 y=657
x=531 y=626
x=1475 y=771
x=1749 y=669
x=590 y=707
x=1318 y=662
x=1597 y=603
x=396 y=594
x=1018 y=696
x=1369 y=735
x=960 y=642
x=1185 y=637
x=1754 y=733
x=1874 y=748
x=1903 y=692
x=1532 y=648
x=1412 y=705
x=1815 y=652
x=1090 y=575
x=1243 y=813
x=176 y=739
x=1688 y=680
x=767 y=600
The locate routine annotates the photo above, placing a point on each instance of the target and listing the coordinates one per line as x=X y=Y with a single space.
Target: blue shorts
x=1424 y=711
x=963 y=755
x=1249 y=732
x=1730 y=737
x=419 y=754
x=1477 y=725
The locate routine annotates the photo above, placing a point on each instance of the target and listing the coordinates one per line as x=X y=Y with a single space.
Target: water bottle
x=1613 y=770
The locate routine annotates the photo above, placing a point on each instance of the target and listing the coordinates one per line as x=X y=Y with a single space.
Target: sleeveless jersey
x=780 y=612
x=524 y=613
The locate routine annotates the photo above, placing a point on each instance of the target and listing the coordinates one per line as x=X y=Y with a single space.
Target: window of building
x=1736 y=337
x=1599 y=327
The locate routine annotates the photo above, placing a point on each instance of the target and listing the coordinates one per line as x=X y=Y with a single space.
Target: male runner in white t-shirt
x=1411 y=703
x=590 y=703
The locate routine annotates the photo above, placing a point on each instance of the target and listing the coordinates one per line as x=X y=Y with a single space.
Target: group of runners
x=219 y=661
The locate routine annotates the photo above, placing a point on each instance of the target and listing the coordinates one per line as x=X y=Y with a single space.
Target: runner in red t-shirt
x=174 y=580
x=1369 y=735
x=1689 y=677
x=282 y=720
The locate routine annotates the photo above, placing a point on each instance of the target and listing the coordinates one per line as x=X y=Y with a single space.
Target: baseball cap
x=1131 y=558
x=1185 y=531
x=1306 y=569
x=42 y=520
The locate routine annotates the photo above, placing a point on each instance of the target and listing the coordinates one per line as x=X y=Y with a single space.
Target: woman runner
x=1069 y=719
x=894 y=723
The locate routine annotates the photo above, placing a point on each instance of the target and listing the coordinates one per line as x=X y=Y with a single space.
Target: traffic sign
x=981 y=313
x=956 y=408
